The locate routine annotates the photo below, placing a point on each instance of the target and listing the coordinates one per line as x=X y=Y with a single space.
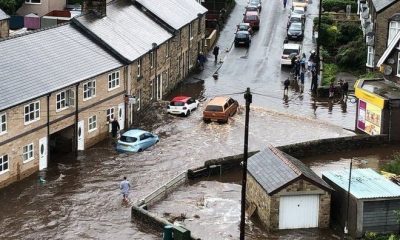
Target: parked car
x=252 y=8
x=289 y=50
x=136 y=140
x=219 y=109
x=295 y=31
x=244 y=27
x=294 y=18
x=299 y=11
x=300 y=3
x=242 y=38
x=256 y=3
x=182 y=105
x=252 y=18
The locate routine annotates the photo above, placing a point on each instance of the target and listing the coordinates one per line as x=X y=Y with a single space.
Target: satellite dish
x=387 y=70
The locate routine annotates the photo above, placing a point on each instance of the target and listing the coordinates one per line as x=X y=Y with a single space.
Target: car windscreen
x=295 y=26
x=128 y=139
x=290 y=51
x=254 y=2
x=298 y=11
x=251 y=17
x=241 y=35
x=214 y=108
x=301 y=1
x=177 y=104
x=295 y=19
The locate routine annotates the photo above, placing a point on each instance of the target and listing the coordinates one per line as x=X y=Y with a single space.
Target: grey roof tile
x=3 y=15
x=381 y=4
x=176 y=13
x=273 y=169
x=125 y=29
x=42 y=62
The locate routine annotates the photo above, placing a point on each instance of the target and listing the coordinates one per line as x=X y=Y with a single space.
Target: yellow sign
x=370 y=97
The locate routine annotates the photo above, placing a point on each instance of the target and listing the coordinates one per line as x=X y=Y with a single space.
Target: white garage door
x=298 y=211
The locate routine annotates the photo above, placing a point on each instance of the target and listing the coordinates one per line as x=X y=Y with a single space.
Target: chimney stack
x=98 y=7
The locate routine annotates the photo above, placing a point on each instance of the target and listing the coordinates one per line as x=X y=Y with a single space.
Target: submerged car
x=295 y=31
x=299 y=11
x=244 y=27
x=219 y=109
x=290 y=50
x=182 y=105
x=256 y=3
x=136 y=140
x=294 y=18
x=252 y=18
x=242 y=38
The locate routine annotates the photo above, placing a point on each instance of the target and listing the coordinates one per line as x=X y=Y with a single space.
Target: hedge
x=337 y=5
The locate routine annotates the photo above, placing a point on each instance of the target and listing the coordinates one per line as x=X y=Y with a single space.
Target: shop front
x=378 y=107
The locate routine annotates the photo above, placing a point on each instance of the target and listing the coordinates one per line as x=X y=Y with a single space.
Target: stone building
x=389 y=63
x=380 y=23
x=54 y=98
x=285 y=193
x=4 y=24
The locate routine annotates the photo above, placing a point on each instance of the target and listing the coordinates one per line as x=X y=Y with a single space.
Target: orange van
x=219 y=109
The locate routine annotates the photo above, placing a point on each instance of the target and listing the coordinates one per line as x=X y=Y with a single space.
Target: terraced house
x=61 y=85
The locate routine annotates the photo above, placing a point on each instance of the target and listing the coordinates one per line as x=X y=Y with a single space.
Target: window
x=139 y=67
x=92 y=123
x=167 y=49
x=113 y=80
x=370 y=57
x=152 y=88
x=27 y=152
x=32 y=112
x=89 y=90
x=394 y=28
x=190 y=31
x=33 y=1
x=3 y=123
x=398 y=65
x=138 y=99
x=152 y=59
x=65 y=99
x=3 y=163
x=110 y=114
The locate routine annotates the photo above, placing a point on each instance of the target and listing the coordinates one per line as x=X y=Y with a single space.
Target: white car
x=299 y=11
x=290 y=50
x=182 y=105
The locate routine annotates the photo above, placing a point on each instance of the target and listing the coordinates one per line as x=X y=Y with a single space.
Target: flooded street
x=80 y=198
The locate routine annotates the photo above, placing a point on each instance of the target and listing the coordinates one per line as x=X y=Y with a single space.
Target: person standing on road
x=314 y=81
x=302 y=78
x=331 y=90
x=124 y=186
x=216 y=52
x=114 y=127
x=286 y=83
x=345 y=89
x=284 y=4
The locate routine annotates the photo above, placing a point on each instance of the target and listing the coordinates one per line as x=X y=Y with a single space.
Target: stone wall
x=256 y=195
x=4 y=28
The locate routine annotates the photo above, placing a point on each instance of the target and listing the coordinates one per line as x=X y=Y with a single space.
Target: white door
x=81 y=135
x=42 y=153
x=298 y=211
x=121 y=115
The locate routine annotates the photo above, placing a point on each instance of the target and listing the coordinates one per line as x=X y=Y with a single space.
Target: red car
x=253 y=18
x=182 y=105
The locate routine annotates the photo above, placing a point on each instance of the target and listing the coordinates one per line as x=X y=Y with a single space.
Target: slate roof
x=275 y=170
x=382 y=4
x=176 y=13
x=125 y=30
x=42 y=62
x=365 y=183
x=3 y=15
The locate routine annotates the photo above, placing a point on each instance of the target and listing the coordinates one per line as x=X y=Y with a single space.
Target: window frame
x=29 y=154
x=370 y=56
x=2 y=163
x=396 y=28
x=30 y=2
x=92 y=121
x=139 y=68
x=35 y=112
x=91 y=90
x=110 y=113
x=398 y=64
x=3 y=114
x=69 y=96
x=114 y=83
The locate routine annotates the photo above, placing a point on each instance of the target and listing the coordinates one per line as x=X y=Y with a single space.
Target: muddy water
x=211 y=207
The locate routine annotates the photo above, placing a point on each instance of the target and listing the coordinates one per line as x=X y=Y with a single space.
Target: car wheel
x=187 y=113
x=140 y=150
x=207 y=120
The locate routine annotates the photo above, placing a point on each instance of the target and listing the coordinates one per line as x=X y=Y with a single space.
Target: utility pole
x=248 y=98
x=346 y=227
x=319 y=34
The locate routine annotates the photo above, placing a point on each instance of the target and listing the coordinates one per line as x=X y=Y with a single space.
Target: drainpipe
x=76 y=118
x=127 y=92
x=390 y=121
x=48 y=126
x=154 y=49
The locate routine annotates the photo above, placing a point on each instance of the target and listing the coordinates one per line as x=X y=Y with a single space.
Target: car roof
x=244 y=24
x=291 y=46
x=218 y=100
x=296 y=23
x=243 y=32
x=298 y=8
x=133 y=133
x=180 y=99
x=295 y=15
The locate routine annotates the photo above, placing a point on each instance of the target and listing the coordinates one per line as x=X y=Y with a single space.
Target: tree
x=10 y=6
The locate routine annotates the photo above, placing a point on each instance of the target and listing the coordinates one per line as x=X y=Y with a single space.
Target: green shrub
x=353 y=55
x=348 y=32
x=370 y=75
x=325 y=19
x=329 y=73
x=337 y=5
x=327 y=36
x=394 y=165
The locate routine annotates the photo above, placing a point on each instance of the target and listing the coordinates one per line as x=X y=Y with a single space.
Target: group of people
x=343 y=89
x=201 y=58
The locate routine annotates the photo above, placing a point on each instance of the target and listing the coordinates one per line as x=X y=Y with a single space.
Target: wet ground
x=211 y=206
x=80 y=199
